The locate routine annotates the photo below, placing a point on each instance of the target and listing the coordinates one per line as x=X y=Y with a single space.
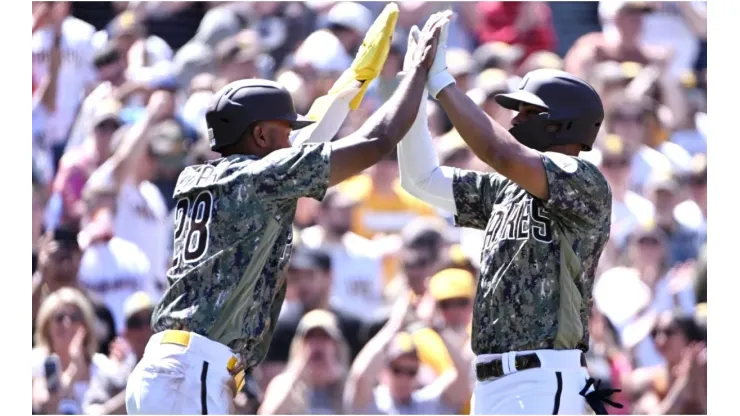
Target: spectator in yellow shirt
x=383 y=206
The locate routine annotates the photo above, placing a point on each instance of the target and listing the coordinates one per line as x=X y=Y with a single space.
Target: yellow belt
x=182 y=338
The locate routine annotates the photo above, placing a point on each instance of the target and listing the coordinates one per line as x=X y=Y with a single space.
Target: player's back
x=233 y=233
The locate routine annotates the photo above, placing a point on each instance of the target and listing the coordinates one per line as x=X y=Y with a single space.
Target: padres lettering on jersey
x=233 y=235
x=539 y=257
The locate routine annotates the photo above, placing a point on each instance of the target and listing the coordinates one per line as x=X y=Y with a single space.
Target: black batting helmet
x=567 y=100
x=240 y=104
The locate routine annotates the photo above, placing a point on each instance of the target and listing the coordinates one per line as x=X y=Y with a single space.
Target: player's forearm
x=392 y=121
x=419 y=170
x=381 y=132
x=488 y=140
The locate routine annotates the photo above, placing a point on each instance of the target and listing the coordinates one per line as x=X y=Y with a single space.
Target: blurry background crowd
x=377 y=315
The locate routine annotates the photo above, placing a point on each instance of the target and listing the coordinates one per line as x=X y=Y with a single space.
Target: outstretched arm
x=384 y=129
x=493 y=144
x=419 y=169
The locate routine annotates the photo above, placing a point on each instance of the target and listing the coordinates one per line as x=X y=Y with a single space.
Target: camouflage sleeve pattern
x=292 y=173
x=579 y=193
x=475 y=194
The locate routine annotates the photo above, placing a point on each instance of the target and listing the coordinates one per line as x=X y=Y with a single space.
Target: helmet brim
x=300 y=122
x=513 y=99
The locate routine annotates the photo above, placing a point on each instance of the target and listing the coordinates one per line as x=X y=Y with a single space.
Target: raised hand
x=426 y=47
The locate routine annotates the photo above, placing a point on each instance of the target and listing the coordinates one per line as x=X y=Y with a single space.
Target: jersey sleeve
x=578 y=190
x=295 y=172
x=474 y=194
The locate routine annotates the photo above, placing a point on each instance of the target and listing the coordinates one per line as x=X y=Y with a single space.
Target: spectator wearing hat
x=79 y=163
x=282 y=27
x=527 y=24
x=59 y=263
x=488 y=84
x=113 y=85
x=620 y=41
x=540 y=60
x=237 y=57
x=147 y=57
x=683 y=242
x=629 y=209
x=461 y=66
x=498 y=55
x=356 y=262
x=349 y=22
x=453 y=151
x=314 y=379
x=106 y=394
x=391 y=357
x=422 y=244
x=627 y=118
x=453 y=291
x=611 y=78
x=310 y=276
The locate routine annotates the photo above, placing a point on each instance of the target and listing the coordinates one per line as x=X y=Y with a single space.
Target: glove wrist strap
x=438 y=82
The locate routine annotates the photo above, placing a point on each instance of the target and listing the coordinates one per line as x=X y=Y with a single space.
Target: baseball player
x=546 y=215
x=233 y=232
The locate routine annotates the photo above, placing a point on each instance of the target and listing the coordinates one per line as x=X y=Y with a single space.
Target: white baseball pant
x=182 y=373
x=553 y=388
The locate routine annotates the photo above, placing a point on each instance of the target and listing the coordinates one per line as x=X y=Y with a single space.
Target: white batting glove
x=438 y=77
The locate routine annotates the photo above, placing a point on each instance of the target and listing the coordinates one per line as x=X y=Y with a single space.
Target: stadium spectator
x=357 y=285
x=65 y=332
x=119 y=113
x=106 y=394
x=314 y=379
x=76 y=71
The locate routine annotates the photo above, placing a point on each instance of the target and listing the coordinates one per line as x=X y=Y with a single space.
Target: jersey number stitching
x=196 y=218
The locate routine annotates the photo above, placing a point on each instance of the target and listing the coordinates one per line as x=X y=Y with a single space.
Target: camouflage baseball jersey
x=233 y=238
x=539 y=257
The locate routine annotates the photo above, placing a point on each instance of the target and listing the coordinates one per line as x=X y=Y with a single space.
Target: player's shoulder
x=574 y=165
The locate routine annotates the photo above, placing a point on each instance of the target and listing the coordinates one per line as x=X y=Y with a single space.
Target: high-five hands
x=438 y=77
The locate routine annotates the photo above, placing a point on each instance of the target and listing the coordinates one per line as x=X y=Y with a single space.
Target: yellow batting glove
x=371 y=57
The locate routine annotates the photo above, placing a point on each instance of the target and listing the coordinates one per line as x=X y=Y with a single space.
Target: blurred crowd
x=119 y=111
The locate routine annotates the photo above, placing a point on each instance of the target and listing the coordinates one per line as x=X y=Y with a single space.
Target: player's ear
x=259 y=134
